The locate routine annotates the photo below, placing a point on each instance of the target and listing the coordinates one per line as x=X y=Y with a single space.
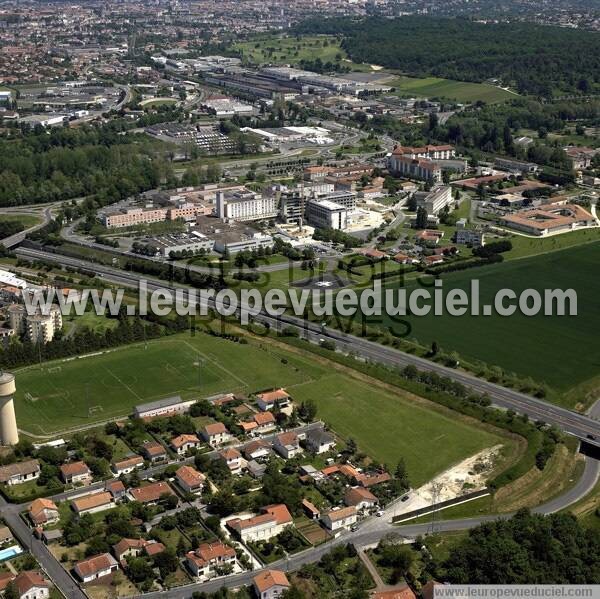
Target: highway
x=373 y=529
x=584 y=427
x=17 y=238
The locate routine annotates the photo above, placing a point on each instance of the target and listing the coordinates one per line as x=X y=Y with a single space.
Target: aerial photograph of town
x=299 y=299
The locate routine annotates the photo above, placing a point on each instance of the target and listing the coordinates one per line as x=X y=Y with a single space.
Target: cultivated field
x=562 y=351
x=459 y=91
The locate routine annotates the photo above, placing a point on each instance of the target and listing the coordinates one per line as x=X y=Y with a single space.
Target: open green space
x=77 y=392
x=291 y=50
x=387 y=426
x=531 y=246
x=561 y=351
x=27 y=220
x=459 y=91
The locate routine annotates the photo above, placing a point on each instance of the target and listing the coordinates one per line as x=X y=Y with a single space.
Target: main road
x=584 y=427
x=372 y=530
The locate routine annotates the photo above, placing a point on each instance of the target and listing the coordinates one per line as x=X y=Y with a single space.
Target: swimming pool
x=9 y=552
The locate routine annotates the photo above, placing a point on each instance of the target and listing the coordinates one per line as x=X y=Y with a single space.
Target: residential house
x=360 y=498
x=261 y=423
x=128 y=465
x=232 y=458
x=208 y=558
x=278 y=398
x=183 y=443
x=43 y=511
x=76 y=473
x=31 y=584
x=265 y=422
x=287 y=445
x=5 y=535
x=216 y=434
x=128 y=548
x=91 y=504
x=340 y=518
x=5 y=579
x=257 y=449
x=152 y=548
x=270 y=584
x=318 y=441
x=370 y=480
x=154 y=452
x=150 y=494
x=399 y=592
x=256 y=469
x=116 y=488
x=271 y=522
x=311 y=510
x=95 y=567
x=190 y=480
x=21 y=472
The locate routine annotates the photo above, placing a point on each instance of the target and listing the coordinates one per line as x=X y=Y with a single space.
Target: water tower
x=9 y=435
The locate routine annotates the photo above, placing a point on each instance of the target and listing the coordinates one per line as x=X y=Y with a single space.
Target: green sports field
x=459 y=91
x=386 y=425
x=77 y=392
x=562 y=351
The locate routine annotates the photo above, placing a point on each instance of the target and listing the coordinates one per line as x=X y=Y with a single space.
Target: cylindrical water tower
x=9 y=435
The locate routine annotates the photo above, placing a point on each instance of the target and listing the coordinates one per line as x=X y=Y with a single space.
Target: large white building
x=273 y=520
x=434 y=201
x=37 y=328
x=326 y=214
x=245 y=206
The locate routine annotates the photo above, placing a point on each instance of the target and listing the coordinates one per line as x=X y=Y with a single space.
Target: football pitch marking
x=213 y=361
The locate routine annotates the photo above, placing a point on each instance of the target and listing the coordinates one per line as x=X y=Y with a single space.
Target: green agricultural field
x=561 y=351
x=387 y=426
x=459 y=91
x=27 y=220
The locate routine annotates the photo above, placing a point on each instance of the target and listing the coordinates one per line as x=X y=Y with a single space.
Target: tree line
x=535 y=59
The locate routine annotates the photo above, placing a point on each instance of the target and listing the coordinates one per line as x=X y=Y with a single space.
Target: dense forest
x=533 y=59
x=526 y=549
x=70 y=163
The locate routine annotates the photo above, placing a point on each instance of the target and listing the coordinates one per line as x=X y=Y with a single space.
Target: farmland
x=459 y=91
x=561 y=351
x=95 y=388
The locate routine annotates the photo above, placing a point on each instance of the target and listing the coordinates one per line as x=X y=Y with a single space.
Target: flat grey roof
x=161 y=403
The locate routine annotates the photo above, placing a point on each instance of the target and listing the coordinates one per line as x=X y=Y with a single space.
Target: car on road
x=405 y=498
x=379 y=513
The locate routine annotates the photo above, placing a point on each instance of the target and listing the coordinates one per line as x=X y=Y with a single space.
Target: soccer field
x=386 y=425
x=77 y=392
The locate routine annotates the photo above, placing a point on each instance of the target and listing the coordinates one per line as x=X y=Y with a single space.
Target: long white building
x=245 y=206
